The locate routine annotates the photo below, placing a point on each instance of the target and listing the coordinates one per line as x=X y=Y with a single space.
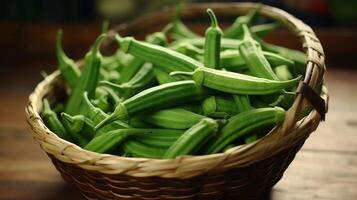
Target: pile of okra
x=177 y=92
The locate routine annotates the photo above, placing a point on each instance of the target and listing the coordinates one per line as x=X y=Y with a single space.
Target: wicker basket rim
x=279 y=138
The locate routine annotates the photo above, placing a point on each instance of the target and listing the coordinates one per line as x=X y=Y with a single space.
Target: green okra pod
x=67 y=66
x=188 y=50
x=236 y=83
x=226 y=43
x=162 y=76
x=96 y=115
x=88 y=80
x=179 y=29
x=216 y=104
x=196 y=136
x=161 y=56
x=236 y=29
x=212 y=43
x=243 y=123
x=141 y=150
x=156 y=98
x=242 y=102
x=80 y=127
x=143 y=79
x=283 y=73
x=298 y=57
x=133 y=67
x=254 y=58
x=232 y=60
x=175 y=118
x=111 y=140
x=162 y=138
x=52 y=122
x=262 y=30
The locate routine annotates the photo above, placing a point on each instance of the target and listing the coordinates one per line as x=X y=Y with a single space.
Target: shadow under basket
x=243 y=172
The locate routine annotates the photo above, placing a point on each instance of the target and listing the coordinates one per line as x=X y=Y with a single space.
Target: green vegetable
x=141 y=150
x=51 y=120
x=262 y=30
x=143 y=79
x=158 y=55
x=236 y=29
x=212 y=42
x=243 y=123
x=175 y=118
x=88 y=80
x=155 y=98
x=67 y=66
x=215 y=104
x=111 y=140
x=254 y=58
x=196 y=136
x=236 y=83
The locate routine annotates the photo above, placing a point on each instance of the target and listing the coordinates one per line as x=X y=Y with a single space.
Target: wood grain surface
x=325 y=168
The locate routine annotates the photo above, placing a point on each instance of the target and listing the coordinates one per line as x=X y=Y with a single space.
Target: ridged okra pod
x=232 y=60
x=156 y=98
x=88 y=80
x=175 y=118
x=111 y=140
x=52 y=122
x=236 y=29
x=216 y=104
x=262 y=30
x=243 y=123
x=212 y=43
x=96 y=115
x=197 y=135
x=298 y=57
x=141 y=150
x=236 y=83
x=254 y=58
x=161 y=56
x=179 y=29
x=143 y=79
x=81 y=130
x=67 y=66
x=136 y=63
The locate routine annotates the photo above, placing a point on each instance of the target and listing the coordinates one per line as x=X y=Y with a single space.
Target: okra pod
x=283 y=73
x=52 y=122
x=141 y=150
x=216 y=104
x=175 y=118
x=143 y=79
x=243 y=123
x=161 y=56
x=236 y=29
x=236 y=83
x=254 y=58
x=197 y=135
x=111 y=140
x=262 y=30
x=96 y=115
x=67 y=66
x=212 y=43
x=88 y=80
x=133 y=67
x=156 y=98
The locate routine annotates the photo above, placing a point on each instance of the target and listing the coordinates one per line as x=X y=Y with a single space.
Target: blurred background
x=28 y=27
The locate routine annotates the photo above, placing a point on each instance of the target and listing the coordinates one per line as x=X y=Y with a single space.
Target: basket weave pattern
x=245 y=171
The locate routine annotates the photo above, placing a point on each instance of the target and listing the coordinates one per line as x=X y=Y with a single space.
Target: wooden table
x=324 y=169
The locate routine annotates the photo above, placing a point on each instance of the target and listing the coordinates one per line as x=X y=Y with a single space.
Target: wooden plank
x=339 y=131
x=320 y=176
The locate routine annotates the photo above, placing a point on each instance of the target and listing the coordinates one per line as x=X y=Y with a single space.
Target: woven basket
x=246 y=171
